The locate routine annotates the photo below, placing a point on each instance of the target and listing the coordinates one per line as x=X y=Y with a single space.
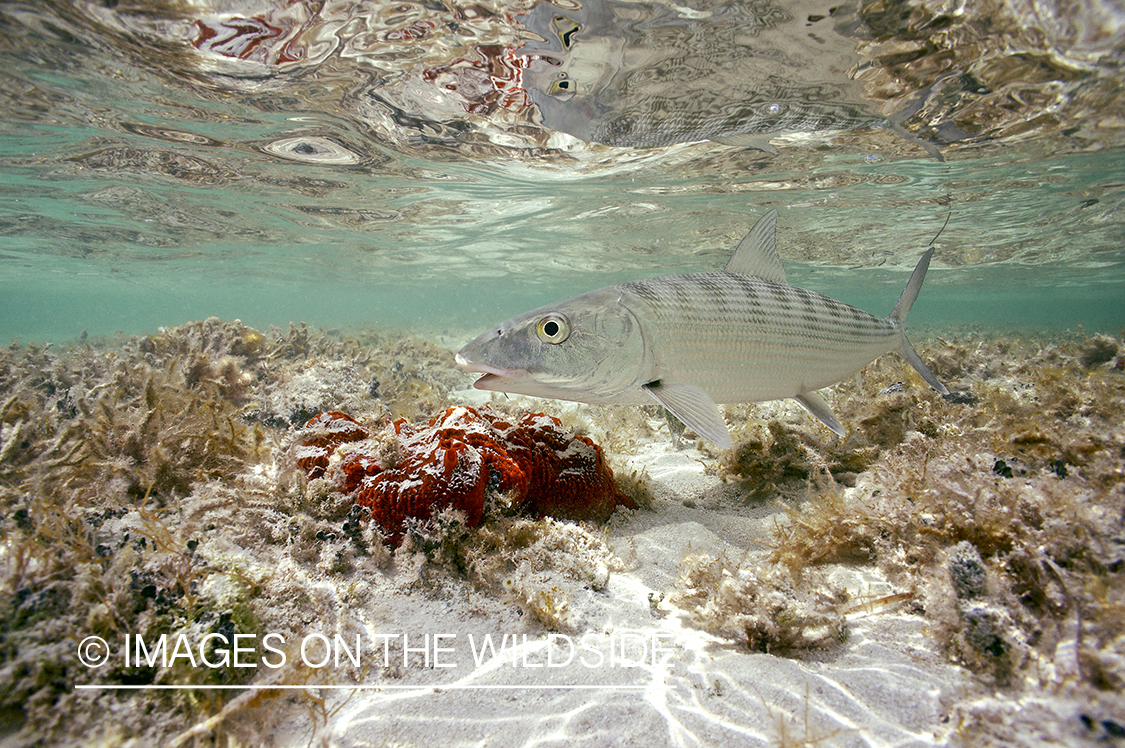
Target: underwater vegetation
x=762 y=606
x=999 y=513
x=167 y=484
x=100 y=447
x=146 y=489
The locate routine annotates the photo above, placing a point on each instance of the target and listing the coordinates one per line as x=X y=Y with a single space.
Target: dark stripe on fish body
x=726 y=298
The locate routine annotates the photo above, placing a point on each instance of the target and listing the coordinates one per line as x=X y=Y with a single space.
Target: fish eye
x=553 y=328
x=563 y=89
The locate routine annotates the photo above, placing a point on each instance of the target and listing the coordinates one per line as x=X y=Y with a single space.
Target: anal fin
x=695 y=408
x=819 y=408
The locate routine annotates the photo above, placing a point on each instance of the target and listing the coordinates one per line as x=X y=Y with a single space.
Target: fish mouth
x=491 y=376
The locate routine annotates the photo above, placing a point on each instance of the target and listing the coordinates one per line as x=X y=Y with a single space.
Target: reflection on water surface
x=241 y=158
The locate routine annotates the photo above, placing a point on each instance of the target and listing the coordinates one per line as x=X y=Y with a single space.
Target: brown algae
x=999 y=512
x=149 y=487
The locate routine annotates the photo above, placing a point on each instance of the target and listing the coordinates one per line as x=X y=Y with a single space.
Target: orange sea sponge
x=322 y=435
x=461 y=458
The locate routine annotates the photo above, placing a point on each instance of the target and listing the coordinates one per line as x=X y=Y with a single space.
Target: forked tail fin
x=915 y=360
x=902 y=308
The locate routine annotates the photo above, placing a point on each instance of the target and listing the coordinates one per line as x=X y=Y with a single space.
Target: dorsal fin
x=756 y=254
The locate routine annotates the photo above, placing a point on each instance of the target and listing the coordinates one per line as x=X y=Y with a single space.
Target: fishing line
x=948 y=215
x=895 y=123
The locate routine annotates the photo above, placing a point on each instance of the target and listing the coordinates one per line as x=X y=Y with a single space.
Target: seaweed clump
x=140 y=495
x=147 y=490
x=762 y=606
x=783 y=455
x=535 y=566
x=999 y=513
x=103 y=448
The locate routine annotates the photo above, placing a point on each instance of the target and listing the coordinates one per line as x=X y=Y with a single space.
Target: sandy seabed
x=948 y=574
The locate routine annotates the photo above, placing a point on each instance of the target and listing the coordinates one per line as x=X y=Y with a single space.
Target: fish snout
x=491 y=376
x=474 y=367
x=463 y=363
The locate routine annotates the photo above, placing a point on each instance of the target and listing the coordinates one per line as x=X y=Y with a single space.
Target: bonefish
x=740 y=334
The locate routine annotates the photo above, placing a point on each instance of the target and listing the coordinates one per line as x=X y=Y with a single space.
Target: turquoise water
x=147 y=178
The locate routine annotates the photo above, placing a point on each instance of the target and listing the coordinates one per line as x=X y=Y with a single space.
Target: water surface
x=438 y=167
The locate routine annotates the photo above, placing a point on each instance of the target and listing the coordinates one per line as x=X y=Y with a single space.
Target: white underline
x=256 y=687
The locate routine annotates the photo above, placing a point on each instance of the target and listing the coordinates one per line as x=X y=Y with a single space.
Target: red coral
x=464 y=454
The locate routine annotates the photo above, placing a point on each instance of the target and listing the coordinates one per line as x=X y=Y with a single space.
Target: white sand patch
x=634 y=669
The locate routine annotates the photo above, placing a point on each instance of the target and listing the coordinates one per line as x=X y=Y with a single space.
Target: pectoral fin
x=695 y=408
x=816 y=405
